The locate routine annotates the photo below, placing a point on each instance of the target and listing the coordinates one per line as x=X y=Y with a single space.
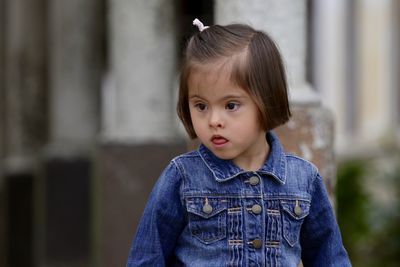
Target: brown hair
x=256 y=66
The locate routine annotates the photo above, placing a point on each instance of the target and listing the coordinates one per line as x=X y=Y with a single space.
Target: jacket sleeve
x=161 y=223
x=321 y=240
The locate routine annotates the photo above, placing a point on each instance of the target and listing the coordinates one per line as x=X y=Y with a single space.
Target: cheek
x=250 y=124
x=196 y=122
x=200 y=131
x=193 y=118
x=258 y=120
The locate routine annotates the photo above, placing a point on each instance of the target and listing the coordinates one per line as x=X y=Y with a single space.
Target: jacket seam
x=181 y=179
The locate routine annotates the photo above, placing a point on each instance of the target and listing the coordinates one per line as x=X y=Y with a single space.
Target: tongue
x=219 y=140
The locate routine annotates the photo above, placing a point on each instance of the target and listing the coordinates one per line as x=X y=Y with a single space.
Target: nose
x=215 y=119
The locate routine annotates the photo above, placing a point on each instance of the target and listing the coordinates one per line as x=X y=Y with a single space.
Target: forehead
x=213 y=77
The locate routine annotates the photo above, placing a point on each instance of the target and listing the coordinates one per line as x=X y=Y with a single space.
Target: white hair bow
x=199 y=25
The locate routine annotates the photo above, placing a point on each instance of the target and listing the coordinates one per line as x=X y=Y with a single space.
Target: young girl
x=238 y=200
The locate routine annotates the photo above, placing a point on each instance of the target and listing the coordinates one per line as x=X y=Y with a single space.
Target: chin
x=222 y=155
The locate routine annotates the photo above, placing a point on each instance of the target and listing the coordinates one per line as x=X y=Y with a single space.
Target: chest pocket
x=207 y=218
x=294 y=212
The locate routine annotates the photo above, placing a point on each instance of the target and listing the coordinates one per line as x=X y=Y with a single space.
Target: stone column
x=3 y=212
x=333 y=29
x=137 y=98
x=376 y=73
x=75 y=65
x=25 y=84
x=309 y=132
x=2 y=83
x=23 y=119
x=395 y=67
x=138 y=131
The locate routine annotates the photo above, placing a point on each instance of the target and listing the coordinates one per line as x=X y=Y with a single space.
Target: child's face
x=225 y=118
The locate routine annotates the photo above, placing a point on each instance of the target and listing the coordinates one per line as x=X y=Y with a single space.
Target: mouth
x=218 y=140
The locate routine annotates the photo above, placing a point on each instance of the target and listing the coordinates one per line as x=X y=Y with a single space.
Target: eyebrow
x=223 y=98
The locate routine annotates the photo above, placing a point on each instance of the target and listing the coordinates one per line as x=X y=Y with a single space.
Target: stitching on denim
x=273 y=212
x=273 y=244
x=233 y=242
x=234 y=210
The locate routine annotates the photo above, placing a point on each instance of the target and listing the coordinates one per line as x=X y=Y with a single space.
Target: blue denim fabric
x=204 y=211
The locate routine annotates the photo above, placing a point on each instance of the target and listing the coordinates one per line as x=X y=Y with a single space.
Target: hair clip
x=199 y=25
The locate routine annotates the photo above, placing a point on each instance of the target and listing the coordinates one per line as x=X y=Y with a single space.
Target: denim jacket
x=205 y=211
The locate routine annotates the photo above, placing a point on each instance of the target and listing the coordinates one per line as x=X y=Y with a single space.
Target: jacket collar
x=224 y=170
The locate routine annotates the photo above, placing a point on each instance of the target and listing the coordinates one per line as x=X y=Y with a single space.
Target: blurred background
x=87 y=116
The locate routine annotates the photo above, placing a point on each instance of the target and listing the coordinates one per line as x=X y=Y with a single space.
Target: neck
x=254 y=161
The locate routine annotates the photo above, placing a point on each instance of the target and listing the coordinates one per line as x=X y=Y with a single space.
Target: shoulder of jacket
x=299 y=162
x=186 y=156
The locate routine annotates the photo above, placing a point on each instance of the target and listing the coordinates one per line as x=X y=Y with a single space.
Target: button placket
x=254 y=180
x=257 y=243
x=256 y=209
x=255 y=222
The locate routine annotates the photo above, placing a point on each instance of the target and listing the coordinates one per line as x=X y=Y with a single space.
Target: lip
x=219 y=141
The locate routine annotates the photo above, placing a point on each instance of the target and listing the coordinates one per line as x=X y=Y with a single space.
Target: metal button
x=297 y=209
x=254 y=180
x=256 y=209
x=207 y=208
x=257 y=243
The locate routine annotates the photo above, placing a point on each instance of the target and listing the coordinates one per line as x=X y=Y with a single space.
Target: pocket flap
x=297 y=209
x=196 y=206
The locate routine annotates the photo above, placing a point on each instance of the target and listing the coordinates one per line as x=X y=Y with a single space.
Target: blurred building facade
x=87 y=107
x=356 y=71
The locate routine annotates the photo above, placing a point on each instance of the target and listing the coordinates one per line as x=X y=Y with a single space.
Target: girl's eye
x=232 y=106
x=201 y=106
